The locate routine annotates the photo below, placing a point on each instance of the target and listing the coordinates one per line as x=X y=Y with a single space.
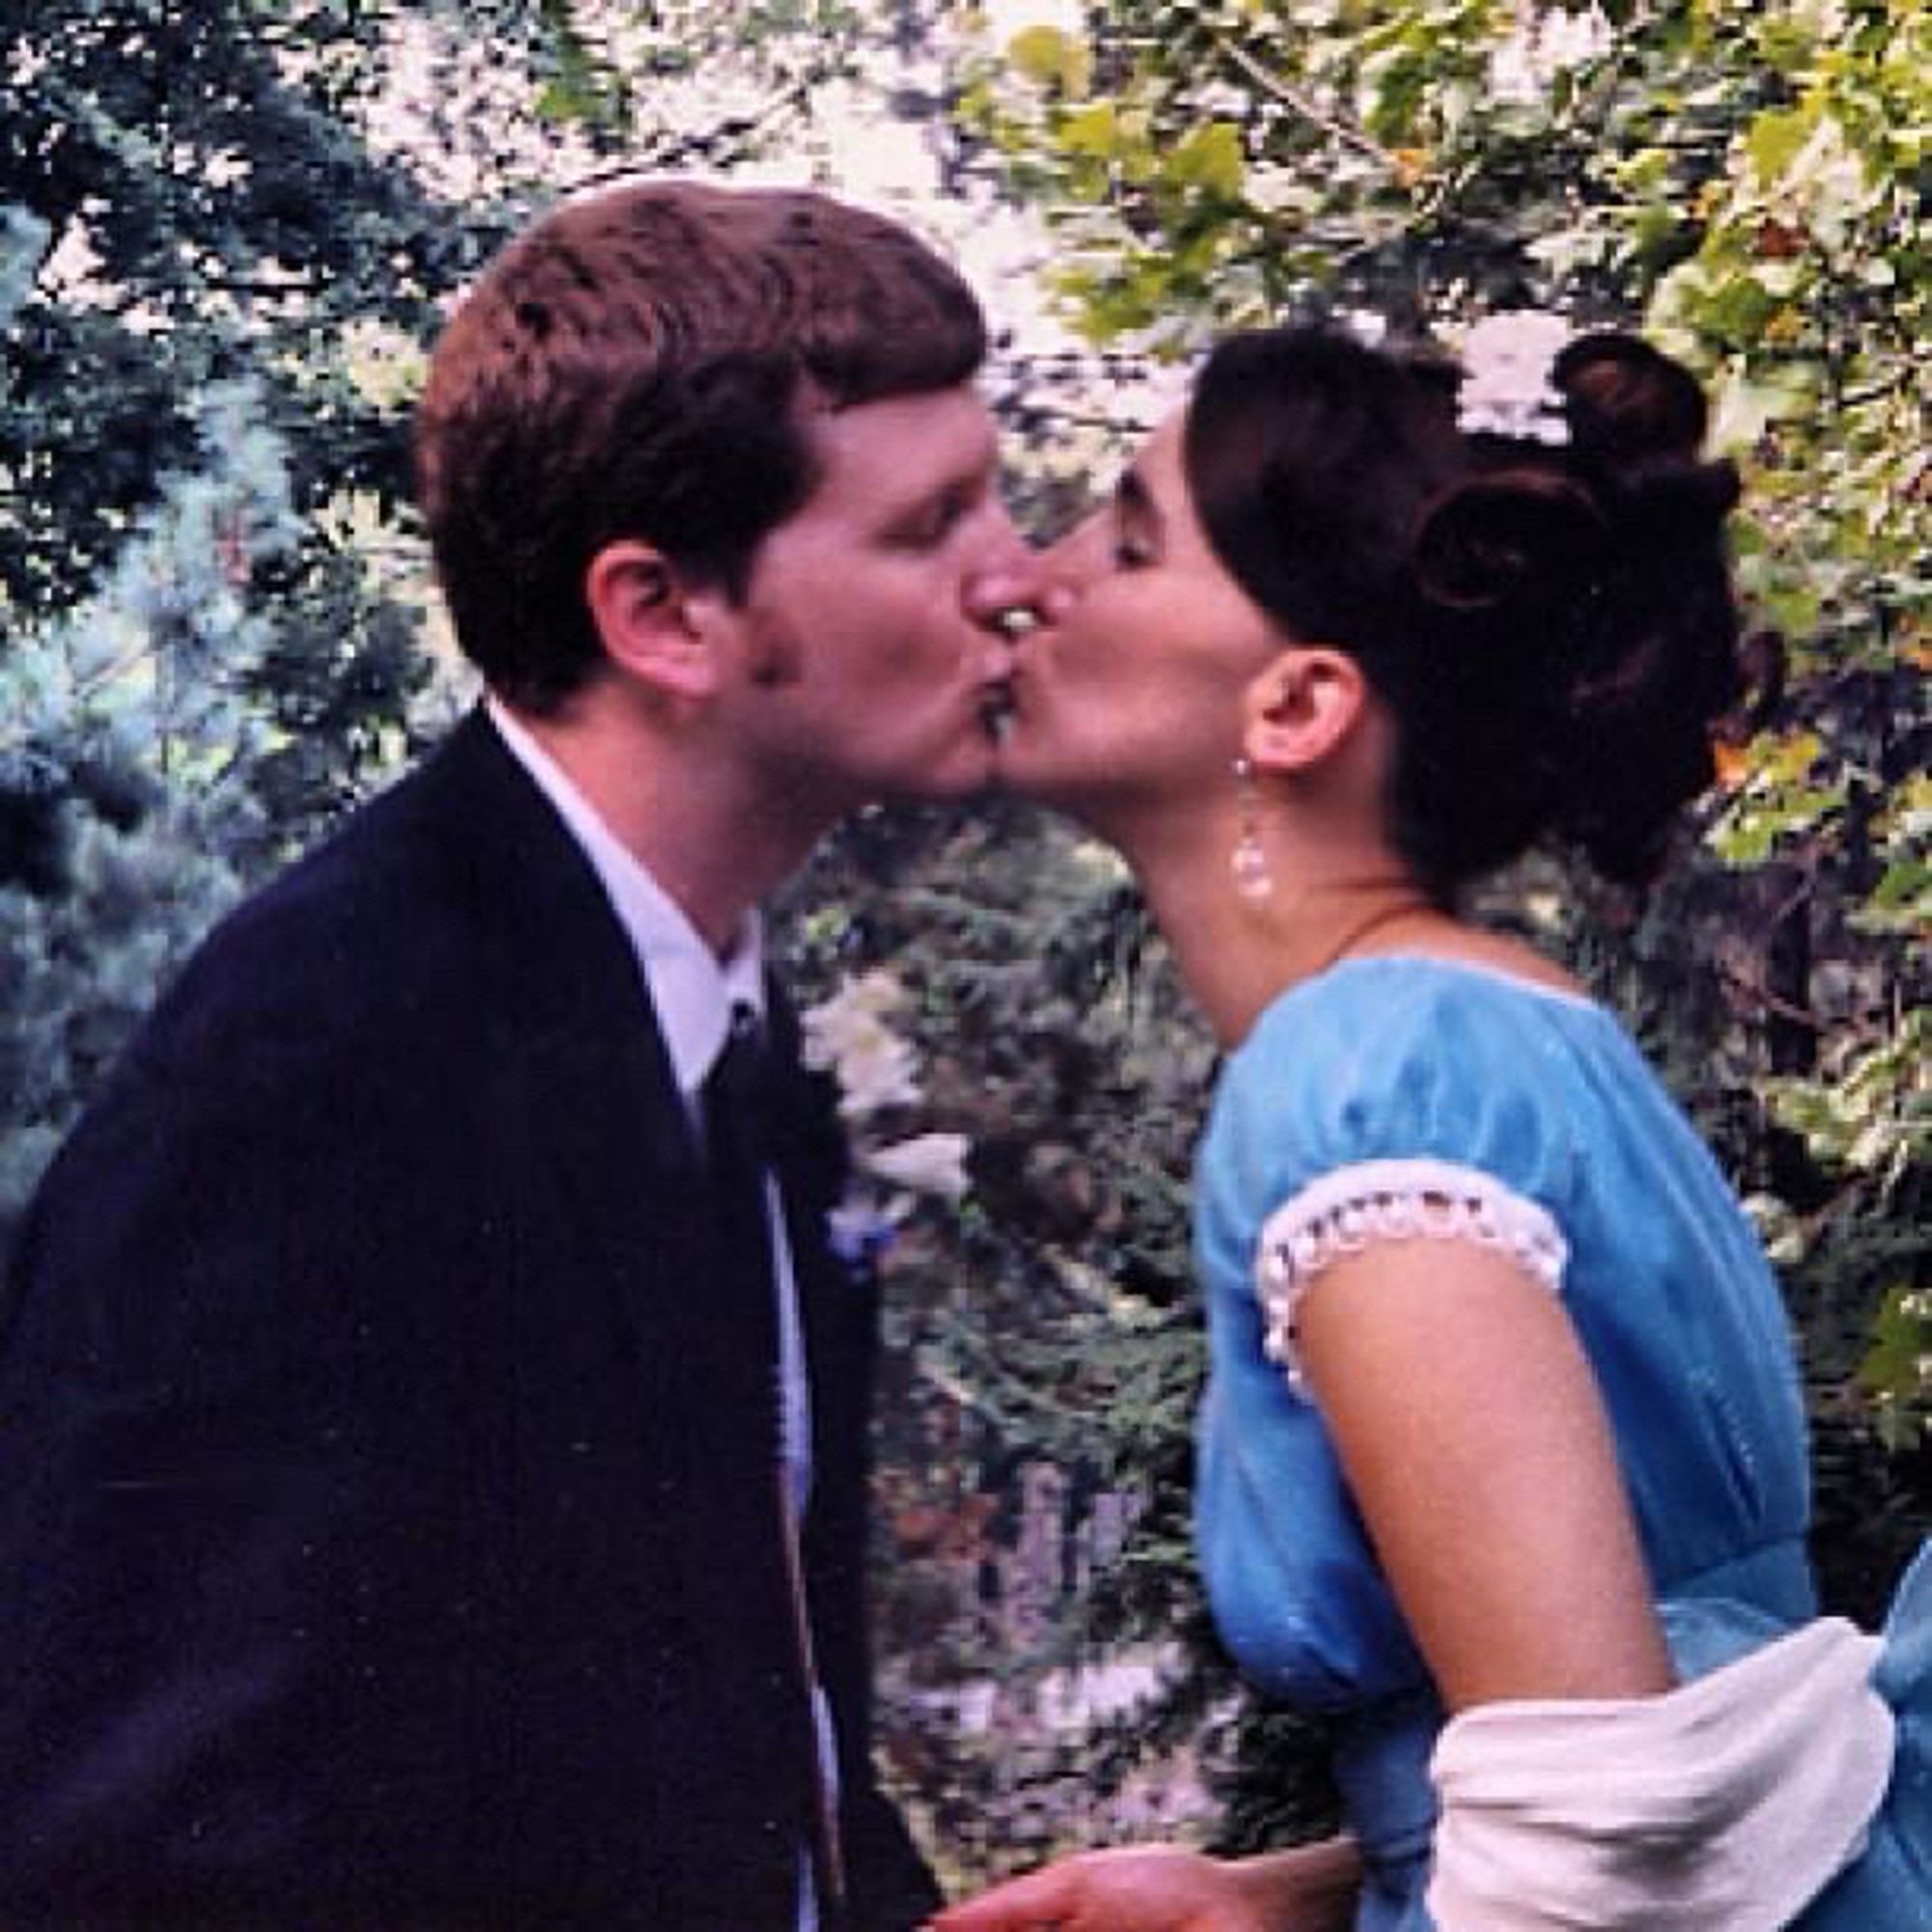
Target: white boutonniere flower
x=847 y=1037
x=932 y=1164
x=877 y=1074
x=1507 y=387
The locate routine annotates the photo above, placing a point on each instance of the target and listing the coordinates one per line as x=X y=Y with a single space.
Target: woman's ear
x=1303 y=708
x=653 y=625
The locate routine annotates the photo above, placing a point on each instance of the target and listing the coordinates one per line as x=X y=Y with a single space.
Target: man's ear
x=653 y=624
x=1303 y=708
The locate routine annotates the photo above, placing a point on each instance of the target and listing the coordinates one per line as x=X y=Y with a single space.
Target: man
x=431 y=1485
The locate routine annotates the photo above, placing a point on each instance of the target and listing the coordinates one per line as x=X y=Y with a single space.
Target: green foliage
x=209 y=210
x=125 y=758
x=227 y=233
x=1898 y=1368
x=193 y=226
x=1872 y=1114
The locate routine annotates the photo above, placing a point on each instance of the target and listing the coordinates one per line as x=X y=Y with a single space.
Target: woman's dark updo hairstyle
x=1553 y=626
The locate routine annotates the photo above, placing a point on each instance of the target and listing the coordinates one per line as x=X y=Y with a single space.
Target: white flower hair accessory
x=1506 y=388
x=877 y=1072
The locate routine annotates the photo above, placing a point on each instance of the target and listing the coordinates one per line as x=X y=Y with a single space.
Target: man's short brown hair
x=631 y=366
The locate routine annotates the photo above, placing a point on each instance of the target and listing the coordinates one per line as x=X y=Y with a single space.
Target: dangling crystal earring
x=1248 y=862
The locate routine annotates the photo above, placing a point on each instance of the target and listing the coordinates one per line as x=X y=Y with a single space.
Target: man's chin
x=965 y=772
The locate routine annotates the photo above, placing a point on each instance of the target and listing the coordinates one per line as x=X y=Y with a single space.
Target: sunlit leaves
x=1049 y=58
x=1897 y=1368
x=1208 y=158
x=1780 y=798
x=1875 y=1113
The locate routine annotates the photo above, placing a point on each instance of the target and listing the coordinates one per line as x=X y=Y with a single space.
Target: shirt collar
x=692 y=990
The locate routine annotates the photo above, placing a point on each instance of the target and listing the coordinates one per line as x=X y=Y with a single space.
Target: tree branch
x=1341 y=130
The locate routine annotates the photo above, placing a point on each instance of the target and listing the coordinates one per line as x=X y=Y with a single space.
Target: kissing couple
x=434 y=1418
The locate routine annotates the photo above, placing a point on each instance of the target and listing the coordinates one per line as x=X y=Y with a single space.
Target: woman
x=1503 y=1442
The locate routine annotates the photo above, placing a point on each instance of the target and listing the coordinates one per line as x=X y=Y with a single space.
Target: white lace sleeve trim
x=1342 y=1212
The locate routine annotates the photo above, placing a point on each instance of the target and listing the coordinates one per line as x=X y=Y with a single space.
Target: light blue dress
x=1394 y=1076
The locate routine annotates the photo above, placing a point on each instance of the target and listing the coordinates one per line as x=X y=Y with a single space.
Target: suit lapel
x=615 y=1214
x=588 y=1072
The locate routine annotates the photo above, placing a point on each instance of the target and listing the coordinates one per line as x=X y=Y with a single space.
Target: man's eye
x=1132 y=553
x=932 y=524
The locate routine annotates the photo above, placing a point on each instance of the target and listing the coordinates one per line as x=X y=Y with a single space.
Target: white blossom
x=1506 y=388
x=924 y=1164
x=858 y=1003
x=876 y=1070
x=1514 y=78
x=1567 y=40
x=1543 y=45
x=847 y=1035
x=1006 y=18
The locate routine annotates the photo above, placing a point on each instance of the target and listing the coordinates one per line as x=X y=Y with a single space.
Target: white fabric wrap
x=1724 y=1806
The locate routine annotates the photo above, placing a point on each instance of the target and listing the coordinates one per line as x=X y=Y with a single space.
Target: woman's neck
x=1237 y=952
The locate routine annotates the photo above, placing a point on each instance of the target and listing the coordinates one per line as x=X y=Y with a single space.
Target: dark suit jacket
x=388 y=1530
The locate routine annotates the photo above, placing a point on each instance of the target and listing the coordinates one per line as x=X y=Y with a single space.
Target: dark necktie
x=738 y=1115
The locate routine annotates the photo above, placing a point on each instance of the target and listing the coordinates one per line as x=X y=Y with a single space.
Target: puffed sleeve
x=1424 y=1101
x=1392 y=1103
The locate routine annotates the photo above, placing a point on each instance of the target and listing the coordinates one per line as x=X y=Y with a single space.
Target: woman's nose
x=1064 y=568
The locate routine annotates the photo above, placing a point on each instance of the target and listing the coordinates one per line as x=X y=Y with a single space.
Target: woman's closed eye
x=1134 y=523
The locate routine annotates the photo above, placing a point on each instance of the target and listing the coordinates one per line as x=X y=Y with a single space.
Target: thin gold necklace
x=1354 y=935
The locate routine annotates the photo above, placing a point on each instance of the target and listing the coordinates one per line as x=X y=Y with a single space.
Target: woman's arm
x=1472 y=1436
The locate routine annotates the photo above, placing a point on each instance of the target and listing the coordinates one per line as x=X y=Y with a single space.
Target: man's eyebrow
x=971 y=476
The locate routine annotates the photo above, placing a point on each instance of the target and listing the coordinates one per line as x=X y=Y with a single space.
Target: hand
x=1133 y=1889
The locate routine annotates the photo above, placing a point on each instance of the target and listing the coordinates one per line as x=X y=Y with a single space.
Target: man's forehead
x=929 y=438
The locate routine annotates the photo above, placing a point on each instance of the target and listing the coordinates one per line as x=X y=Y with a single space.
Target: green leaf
x=1775 y=140
x=1210 y=157
x=1740 y=308
x=1897 y=1367
x=1091 y=131
x=1049 y=58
